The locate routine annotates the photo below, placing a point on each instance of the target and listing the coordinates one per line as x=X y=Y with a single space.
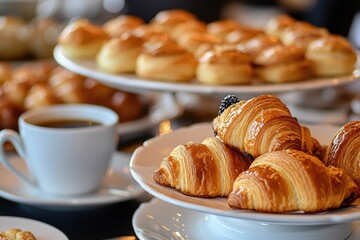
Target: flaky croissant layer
x=291 y=180
x=206 y=169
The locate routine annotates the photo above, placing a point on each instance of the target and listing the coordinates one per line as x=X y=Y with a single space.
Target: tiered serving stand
x=172 y=215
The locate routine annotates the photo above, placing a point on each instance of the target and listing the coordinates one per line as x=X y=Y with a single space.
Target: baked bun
x=34 y=72
x=241 y=35
x=150 y=32
x=257 y=44
x=119 y=55
x=123 y=23
x=81 y=40
x=224 y=67
x=188 y=27
x=222 y=28
x=276 y=25
x=40 y=96
x=301 y=34
x=43 y=34
x=166 y=61
x=193 y=40
x=331 y=55
x=13 y=40
x=282 y=64
x=168 y=19
x=17 y=234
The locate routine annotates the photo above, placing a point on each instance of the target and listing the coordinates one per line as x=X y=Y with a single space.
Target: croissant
x=206 y=169
x=344 y=150
x=258 y=125
x=292 y=180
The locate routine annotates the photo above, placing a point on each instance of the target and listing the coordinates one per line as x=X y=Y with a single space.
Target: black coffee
x=68 y=123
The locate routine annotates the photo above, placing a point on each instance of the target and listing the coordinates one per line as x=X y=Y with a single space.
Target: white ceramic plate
x=150 y=221
x=146 y=159
x=118 y=186
x=134 y=83
x=42 y=231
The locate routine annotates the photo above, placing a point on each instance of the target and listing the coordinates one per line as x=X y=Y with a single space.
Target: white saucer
x=41 y=231
x=152 y=221
x=118 y=186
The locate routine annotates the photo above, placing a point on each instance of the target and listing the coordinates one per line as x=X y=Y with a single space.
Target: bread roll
x=224 y=67
x=123 y=23
x=331 y=56
x=279 y=64
x=242 y=35
x=168 y=19
x=277 y=24
x=301 y=34
x=166 y=61
x=151 y=32
x=192 y=41
x=13 y=38
x=82 y=40
x=188 y=27
x=222 y=28
x=119 y=55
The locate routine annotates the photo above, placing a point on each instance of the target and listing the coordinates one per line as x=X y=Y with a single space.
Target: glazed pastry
x=188 y=27
x=310 y=144
x=166 y=61
x=17 y=234
x=192 y=41
x=224 y=67
x=291 y=180
x=257 y=126
x=14 y=36
x=301 y=34
x=257 y=44
x=169 y=19
x=150 y=32
x=242 y=35
x=34 y=72
x=331 y=55
x=16 y=92
x=119 y=55
x=344 y=151
x=81 y=40
x=206 y=169
x=279 y=64
x=39 y=96
x=123 y=23
x=222 y=28
x=276 y=25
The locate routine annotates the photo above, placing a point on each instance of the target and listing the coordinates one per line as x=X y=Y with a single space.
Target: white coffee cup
x=63 y=161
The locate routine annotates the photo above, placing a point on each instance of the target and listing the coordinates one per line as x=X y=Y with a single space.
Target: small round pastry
x=222 y=28
x=193 y=40
x=279 y=64
x=150 y=32
x=128 y=106
x=43 y=34
x=14 y=37
x=168 y=19
x=119 y=55
x=224 y=67
x=16 y=92
x=123 y=23
x=331 y=55
x=276 y=25
x=257 y=44
x=5 y=72
x=301 y=34
x=81 y=40
x=188 y=27
x=39 y=96
x=97 y=93
x=166 y=61
x=34 y=72
x=241 y=35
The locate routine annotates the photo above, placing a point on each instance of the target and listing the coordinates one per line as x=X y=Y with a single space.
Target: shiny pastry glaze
x=124 y=41
x=224 y=57
x=241 y=35
x=257 y=44
x=279 y=23
x=82 y=32
x=123 y=22
x=279 y=54
x=222 y=26
x=163 y=48
x=173 y=16
x=331 y=43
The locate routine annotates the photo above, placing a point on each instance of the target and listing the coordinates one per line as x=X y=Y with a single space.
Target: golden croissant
x=258 y=125
x=206 y=169
x=292 y=180
x=344 y=150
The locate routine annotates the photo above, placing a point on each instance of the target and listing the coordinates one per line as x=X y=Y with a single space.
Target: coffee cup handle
x=8 y=135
